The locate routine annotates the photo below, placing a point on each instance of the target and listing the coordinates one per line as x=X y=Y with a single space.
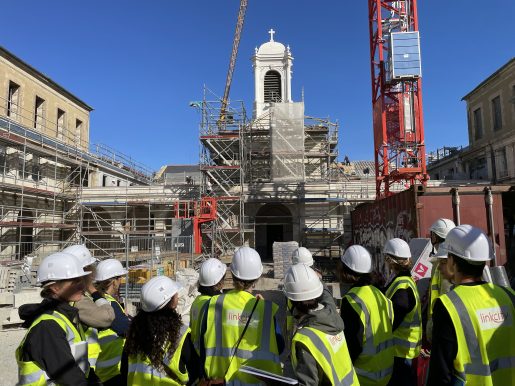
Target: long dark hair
x=346 y=275
x=151 y=333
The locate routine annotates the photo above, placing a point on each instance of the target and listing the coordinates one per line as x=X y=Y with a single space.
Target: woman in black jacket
x=54 y=348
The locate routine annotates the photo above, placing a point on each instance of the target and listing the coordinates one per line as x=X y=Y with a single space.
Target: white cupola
x=272 y=64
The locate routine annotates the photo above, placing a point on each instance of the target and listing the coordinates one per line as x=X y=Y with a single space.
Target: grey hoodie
x=325 y=319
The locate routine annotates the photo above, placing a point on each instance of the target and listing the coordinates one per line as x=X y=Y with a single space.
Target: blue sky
x=139 y=63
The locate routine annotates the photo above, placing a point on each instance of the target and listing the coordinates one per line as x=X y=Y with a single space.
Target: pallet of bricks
x=8 y=277
x=140 y=274
x=283 y=252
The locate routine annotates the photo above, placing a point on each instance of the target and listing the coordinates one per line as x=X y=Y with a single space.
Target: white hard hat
x=442 y=253
x=211 y=272
x=109 y=268
x=302 y=255
x=397 y=248
x=157 y=292
x=358 y=259
x=442 y=226
x=82 y=253
x=246 y=264
x=469 y=243
x=301 y=283
x=60 y=266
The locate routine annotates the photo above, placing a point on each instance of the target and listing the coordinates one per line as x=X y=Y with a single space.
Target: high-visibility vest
x=111 y=346
x=226 y=316
x=374 y=365
x=483 y=318
x=141 y=372
x=31 y=373
x=329 y=351
x=289 y=319
x=407 y=338
x=91 y=335
x=196 y=316
x=435 y=288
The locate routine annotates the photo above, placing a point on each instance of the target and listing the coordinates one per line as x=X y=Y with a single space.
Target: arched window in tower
x=273 y=87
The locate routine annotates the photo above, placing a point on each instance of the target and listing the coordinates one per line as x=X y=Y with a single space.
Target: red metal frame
x=399 y=155
x=206 y=212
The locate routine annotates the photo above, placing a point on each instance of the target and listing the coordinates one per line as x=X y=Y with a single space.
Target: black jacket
x=46 y=343
x=403 y=302
x=445 y=346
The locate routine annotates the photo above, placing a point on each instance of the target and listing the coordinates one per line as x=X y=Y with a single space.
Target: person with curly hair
x=158 y=349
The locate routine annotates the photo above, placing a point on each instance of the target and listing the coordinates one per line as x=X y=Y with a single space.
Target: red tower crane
x=399 y=148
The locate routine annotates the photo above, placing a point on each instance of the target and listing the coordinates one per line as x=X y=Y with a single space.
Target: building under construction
x=58 y=189
x=275 y=177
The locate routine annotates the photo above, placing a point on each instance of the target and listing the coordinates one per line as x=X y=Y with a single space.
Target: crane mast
x=232 y=62
x=399 y=148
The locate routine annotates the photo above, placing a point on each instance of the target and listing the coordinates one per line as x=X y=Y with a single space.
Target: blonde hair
x=398 y=264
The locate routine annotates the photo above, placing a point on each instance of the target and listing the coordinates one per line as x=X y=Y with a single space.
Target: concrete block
x=14 y=318
x=27 y=295
x=6 y=299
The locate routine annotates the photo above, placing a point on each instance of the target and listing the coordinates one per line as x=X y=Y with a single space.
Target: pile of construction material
x=283 y=252
x=188 y=278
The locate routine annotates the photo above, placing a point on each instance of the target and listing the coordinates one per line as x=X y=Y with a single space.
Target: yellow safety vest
x=483 y=318
x=111 y=346
x=407 y=338
x=435 y=288
x=196 y=316
x=91 y=334
x=374 y=365
x=141 y=372
x=227 y=315
x=32 y=374
x=289 y=319
x=329 y=351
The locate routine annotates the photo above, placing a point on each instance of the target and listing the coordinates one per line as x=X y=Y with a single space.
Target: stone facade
x=490 y=154
x=35 y=101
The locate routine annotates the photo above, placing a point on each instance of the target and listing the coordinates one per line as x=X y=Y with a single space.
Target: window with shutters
x=13 y=100
x=78 y=131
x=478 y=124
x=272 y=88
x=61 y=123
x=497 y=113
x=39 y=113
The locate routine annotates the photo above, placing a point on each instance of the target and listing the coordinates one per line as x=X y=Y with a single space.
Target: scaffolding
x=222 y=175
x=283 y=157
x=50 y=199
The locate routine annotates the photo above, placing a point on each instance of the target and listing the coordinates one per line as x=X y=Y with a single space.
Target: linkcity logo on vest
x=336 y=341
x=236 y=317
x=493 y=317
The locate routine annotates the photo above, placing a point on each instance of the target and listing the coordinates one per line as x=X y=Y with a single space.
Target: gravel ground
x=9 y=341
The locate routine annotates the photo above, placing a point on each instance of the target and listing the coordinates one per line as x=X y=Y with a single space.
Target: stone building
x=276 y=177
x=490 y=154
x=46 y=163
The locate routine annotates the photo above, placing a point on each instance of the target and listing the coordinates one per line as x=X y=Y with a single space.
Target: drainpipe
x=497 y=273
x=455 y=206
x=489 y=200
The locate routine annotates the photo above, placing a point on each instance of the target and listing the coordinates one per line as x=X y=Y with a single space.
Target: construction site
x=271 y=178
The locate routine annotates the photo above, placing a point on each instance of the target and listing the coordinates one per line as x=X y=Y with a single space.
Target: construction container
x=410 y=213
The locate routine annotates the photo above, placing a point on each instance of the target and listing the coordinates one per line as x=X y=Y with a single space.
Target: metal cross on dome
x=271 y=32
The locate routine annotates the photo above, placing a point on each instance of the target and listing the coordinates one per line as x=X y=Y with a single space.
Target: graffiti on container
x=372 y=228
